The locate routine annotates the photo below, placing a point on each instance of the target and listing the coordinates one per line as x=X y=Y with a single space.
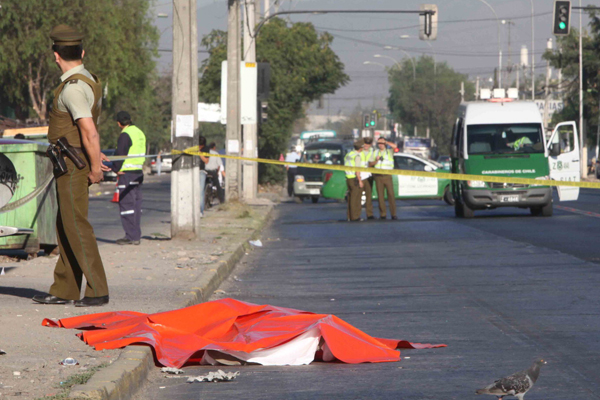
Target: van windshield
x=505 y=139
x=323 y=156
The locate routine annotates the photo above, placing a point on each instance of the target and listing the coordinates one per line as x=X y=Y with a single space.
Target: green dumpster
x=33 y=170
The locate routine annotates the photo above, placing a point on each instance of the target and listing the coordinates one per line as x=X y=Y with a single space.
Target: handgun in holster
x=56 y=153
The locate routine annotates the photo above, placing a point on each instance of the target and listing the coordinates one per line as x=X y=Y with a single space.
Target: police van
x=505 y=137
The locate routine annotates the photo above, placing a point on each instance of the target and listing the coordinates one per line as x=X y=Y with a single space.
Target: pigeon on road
x=516 y=384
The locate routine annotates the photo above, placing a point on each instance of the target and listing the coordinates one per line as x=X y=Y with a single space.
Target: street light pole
x=375 y=63
x=409 y=57
x=389 y=58
x=499 y=44
x=532 y=55
x=582 y=148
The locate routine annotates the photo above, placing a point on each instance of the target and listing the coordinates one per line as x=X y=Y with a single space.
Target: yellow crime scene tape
x=192 y=151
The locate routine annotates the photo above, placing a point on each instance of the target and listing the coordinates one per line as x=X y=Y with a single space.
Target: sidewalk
x=158 y=275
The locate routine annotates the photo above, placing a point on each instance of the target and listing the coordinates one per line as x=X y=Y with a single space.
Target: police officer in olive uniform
x=383 y=158
x=353 y=181
x=74 y=115
x=367 y=156
x=131 y=143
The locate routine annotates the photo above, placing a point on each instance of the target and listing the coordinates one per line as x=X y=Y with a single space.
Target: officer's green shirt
x=77 y=98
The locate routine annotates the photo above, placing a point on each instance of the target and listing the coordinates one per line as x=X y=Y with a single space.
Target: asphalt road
x=500 y=290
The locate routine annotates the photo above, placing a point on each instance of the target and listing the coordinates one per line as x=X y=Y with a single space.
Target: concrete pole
x=232 y=135
x=250 y=169
x=185 y=178
x=582 y=147
x=532 y=55
x=477 y=89
x=267 y=9
x=547 y=90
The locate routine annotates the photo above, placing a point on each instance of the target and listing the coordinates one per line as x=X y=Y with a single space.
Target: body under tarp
x=224 y=329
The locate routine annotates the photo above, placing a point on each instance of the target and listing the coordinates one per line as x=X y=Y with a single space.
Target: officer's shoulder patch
x=73 y=81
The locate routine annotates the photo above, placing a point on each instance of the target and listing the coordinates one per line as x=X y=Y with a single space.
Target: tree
x=566 y=57
x=120 y=43
x=427 y=100
x=303 y=68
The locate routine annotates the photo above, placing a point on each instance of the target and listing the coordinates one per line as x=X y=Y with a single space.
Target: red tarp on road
x=262 y=334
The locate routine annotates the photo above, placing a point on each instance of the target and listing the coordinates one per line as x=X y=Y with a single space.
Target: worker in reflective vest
x=353 y=181
x=367 y=177
x=383 y=158
x=132 y=143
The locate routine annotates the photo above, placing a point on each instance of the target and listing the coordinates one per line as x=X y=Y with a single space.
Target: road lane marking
x=576 y=211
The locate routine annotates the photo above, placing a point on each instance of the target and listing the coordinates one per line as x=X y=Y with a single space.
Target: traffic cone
x=115 y=198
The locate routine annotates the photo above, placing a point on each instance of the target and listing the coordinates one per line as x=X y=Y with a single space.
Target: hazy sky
x=467 y=37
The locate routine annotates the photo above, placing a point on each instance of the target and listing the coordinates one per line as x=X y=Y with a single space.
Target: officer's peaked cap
x=64 y=35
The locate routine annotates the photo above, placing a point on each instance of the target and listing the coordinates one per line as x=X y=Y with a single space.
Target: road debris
x=69 y=361
x=170 y=370
x=2 y=352
x=256 y=243
x=219 y=376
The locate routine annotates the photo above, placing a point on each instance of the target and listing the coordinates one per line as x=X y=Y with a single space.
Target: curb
x=125 y=376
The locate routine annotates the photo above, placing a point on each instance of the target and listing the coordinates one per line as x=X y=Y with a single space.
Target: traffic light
x=562 y=18
x=428 y=22
x=264 y=108
x=374 y=119
x=367 y=120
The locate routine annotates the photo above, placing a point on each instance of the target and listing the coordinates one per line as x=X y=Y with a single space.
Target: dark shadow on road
x=26 y=293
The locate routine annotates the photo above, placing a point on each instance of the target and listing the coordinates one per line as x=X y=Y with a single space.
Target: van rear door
x=565 y=166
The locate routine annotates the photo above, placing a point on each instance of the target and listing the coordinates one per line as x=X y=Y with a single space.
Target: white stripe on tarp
x=127 y=212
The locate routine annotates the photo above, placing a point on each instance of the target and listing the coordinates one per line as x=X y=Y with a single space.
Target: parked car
x=405 y=187
x=445 y=162
x=109 y=175
x=167 y=165
x=309 y=181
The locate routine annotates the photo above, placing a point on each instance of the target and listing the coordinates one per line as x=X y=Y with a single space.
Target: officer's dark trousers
x=368 y=190
x=130 y=203
x=354 y=193
x=79 y=255
x=291 y=175
x=384 y=182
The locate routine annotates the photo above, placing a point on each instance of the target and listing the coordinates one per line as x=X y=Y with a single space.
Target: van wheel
x=547 y=210
x=467 y=212
x=448 y=198
x=315 y=199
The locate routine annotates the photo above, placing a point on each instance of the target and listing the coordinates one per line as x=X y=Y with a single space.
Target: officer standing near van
x=384 y=159
x=131 y=143
x=75 y=111
x=353 y=181
x=367 y=178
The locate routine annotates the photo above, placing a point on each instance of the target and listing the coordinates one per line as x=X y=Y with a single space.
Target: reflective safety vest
x=350 y=161
x=388 y=159
x=138 y=148
x=521 y=142
x=366 y=157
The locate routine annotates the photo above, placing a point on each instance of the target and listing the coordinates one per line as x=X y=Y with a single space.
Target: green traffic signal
x=562 y=25
x=372 y=123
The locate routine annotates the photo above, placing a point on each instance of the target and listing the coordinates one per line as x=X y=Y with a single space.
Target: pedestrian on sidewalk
x=354 y=181
x=292 y=156
x=202 y=147
x=75 y=111
x=214 y=165
x=131 y=143
x=366 y=157
x=384 y=160
x=159 y=162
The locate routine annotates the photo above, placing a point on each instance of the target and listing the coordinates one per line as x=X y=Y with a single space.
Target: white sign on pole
x=233 y=147
x=248 y=92
x=224 y=92
x=184 y=126
x=209 y=112
x=249 y=82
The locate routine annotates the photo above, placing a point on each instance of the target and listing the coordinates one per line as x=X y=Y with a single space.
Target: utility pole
x=462 y=92
x=477 y=89
x=185 y=178
x=582 y=147
x=250 y=169
x=267 y=7
x=232 y=135
x=546 y=90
